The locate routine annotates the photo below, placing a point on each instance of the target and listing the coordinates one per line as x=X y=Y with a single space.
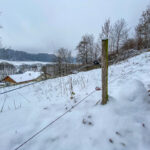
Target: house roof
x=27 y=76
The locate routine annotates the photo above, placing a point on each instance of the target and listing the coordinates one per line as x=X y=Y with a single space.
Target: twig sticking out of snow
x=3 y=105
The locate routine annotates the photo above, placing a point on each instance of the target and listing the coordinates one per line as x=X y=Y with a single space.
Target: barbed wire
x=21 y=87
x=24 y=97
x=37 y=133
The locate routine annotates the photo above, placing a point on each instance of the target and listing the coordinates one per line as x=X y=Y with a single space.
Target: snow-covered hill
x=122 y=124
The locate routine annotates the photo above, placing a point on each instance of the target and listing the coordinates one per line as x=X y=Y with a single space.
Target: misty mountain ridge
x=13 y=55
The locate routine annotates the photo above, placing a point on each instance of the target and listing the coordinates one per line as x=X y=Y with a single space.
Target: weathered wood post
x=104 y=61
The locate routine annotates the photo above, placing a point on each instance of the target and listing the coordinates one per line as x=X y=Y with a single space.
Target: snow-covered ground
x=122 y=124
x=18 y=63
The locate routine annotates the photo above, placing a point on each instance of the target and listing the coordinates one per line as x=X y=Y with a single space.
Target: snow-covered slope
x=122 y=124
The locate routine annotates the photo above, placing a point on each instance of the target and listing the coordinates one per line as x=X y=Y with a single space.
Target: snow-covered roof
x=27 y=76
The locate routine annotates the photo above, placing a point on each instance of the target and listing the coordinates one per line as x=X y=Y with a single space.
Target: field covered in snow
x=18 y=63
x=122 y=124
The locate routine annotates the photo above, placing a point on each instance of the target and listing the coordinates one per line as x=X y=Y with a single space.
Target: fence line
x=20 y=87
x=24 y=97
x=88 y=65
x=37 y=133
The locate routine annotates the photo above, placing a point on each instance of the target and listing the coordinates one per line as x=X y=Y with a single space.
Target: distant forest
x=12 y=55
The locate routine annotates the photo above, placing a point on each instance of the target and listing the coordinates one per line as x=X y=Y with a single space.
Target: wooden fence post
x=104 y=62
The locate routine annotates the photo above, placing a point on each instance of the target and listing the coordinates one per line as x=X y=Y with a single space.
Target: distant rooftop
x=27 y=76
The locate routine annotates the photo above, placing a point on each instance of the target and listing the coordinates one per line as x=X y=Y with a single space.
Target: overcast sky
x=45 y=25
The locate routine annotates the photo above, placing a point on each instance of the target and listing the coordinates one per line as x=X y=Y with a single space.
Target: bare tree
x=143 y=30
x=106 y=29
x=97 y=50
x=44 y=70
x=129 y=44
x=6 y=69
x=86 y=49
x=120 y=33
x=106 y=33
x=63 y=55
x=0 y=37
x=63 y=58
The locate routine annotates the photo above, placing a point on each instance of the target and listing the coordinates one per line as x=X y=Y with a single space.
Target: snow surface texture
x=122 y=124
x=27 y=76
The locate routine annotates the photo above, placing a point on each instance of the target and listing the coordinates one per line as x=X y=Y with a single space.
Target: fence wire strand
x=37 y=133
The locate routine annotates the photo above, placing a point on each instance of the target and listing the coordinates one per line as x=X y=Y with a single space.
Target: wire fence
x=59 y=117
x=21 y=87
x=33 y=83
x=52 y=122
x=48 y=125
x=64 y=69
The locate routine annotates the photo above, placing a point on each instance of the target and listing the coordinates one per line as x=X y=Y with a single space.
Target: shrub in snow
x=71 y=89
x=132 y=90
